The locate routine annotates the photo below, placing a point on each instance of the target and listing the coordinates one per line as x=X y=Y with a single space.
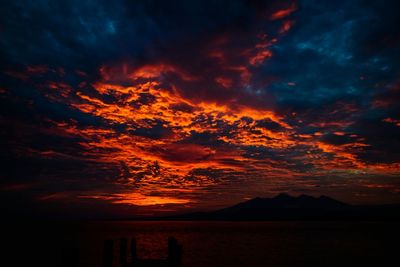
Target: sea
x=206 y=243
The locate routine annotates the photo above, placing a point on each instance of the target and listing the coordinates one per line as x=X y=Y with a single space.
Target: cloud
x=142 y=101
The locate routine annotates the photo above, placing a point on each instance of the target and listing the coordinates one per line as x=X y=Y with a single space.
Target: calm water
x=213 y=244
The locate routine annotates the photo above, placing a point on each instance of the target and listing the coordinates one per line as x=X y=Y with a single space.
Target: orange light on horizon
x=139 y=199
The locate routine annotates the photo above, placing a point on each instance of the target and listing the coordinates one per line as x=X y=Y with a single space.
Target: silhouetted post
x=69 y=257
x=108 y=253
x=133 y=251
x=123 y=246
x=179 y=251
x=174 y=253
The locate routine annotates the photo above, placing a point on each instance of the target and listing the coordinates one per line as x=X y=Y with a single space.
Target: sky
x=129 y=108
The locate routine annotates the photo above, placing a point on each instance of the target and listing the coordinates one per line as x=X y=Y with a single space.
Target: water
x=212 y=244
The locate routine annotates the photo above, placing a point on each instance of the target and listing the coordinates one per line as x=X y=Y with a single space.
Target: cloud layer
x=192 y=105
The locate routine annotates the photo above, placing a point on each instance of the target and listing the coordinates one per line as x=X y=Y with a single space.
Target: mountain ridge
x=303 y=207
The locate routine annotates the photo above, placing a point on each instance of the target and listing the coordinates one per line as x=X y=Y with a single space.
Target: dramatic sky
x=145 y=107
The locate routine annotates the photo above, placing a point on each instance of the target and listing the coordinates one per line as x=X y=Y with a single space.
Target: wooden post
x=171 y=251
x=133 y=251
x=174 y=253
x=108 y=253
x=123 y=247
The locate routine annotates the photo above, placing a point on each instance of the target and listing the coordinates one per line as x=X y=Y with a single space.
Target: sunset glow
x=187 y=111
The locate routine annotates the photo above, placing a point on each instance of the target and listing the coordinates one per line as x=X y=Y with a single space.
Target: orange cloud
x=393 y=121
x=284 y=12
x=287 y=25
x=138 y=199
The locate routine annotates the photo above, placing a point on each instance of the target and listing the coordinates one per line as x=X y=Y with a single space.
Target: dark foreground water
x=250 y=244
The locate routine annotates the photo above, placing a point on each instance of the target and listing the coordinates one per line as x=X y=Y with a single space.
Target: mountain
x=303 y=207
x=285 y=201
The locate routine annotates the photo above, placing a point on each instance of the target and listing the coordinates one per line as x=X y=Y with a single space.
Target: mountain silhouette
x=303 y=207
x=285 y=201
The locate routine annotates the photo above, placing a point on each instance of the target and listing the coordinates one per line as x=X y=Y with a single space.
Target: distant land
x=303 y=207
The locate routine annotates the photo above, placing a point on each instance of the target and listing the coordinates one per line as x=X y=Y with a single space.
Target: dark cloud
x=382 y=139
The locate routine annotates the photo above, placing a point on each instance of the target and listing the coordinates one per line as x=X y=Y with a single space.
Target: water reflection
x=206 y=244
